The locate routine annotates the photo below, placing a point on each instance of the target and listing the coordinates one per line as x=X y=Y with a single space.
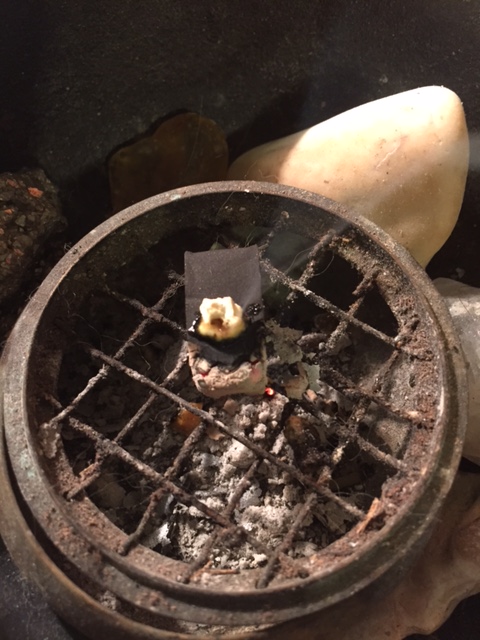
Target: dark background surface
x=78 y=79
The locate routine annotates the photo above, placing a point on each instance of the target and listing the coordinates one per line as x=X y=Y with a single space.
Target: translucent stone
x=186 y=149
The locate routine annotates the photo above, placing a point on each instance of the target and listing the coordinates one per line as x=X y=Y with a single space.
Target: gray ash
x=266 y=508
x=300 y=431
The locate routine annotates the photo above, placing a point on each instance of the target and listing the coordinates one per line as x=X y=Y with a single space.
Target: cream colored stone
x=400 y=161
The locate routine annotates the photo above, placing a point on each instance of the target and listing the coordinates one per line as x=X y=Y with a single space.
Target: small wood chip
x=376 y=509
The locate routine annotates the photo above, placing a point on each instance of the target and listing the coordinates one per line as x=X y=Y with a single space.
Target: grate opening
x=375 y=312
x=323 y=284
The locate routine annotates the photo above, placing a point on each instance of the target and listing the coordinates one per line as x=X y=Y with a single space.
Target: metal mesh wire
x=373 y=424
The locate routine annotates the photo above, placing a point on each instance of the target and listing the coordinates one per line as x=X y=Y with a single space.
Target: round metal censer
x=105 y=438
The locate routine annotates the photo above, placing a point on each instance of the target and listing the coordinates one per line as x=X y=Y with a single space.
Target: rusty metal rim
x=377 y=554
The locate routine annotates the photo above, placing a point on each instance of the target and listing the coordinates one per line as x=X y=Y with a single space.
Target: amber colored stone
x=186 y=421
x=186 y=149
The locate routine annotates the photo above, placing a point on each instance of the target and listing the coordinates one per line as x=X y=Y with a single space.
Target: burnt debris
x=231 y=277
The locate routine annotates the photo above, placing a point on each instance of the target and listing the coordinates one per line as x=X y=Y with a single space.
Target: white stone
x=400 y=161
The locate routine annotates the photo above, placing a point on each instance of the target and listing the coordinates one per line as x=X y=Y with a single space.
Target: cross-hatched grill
x=239 y=510
x=341 y=483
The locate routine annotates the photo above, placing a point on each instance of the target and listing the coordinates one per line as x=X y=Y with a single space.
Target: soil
x=32 y=237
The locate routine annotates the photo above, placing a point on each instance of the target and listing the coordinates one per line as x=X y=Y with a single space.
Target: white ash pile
x=272 y=498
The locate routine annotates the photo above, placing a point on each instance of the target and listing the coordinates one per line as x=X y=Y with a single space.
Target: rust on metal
x=313 y=480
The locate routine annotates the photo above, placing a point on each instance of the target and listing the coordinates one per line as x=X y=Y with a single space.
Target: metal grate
x=370 y=431
x=236 y=510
